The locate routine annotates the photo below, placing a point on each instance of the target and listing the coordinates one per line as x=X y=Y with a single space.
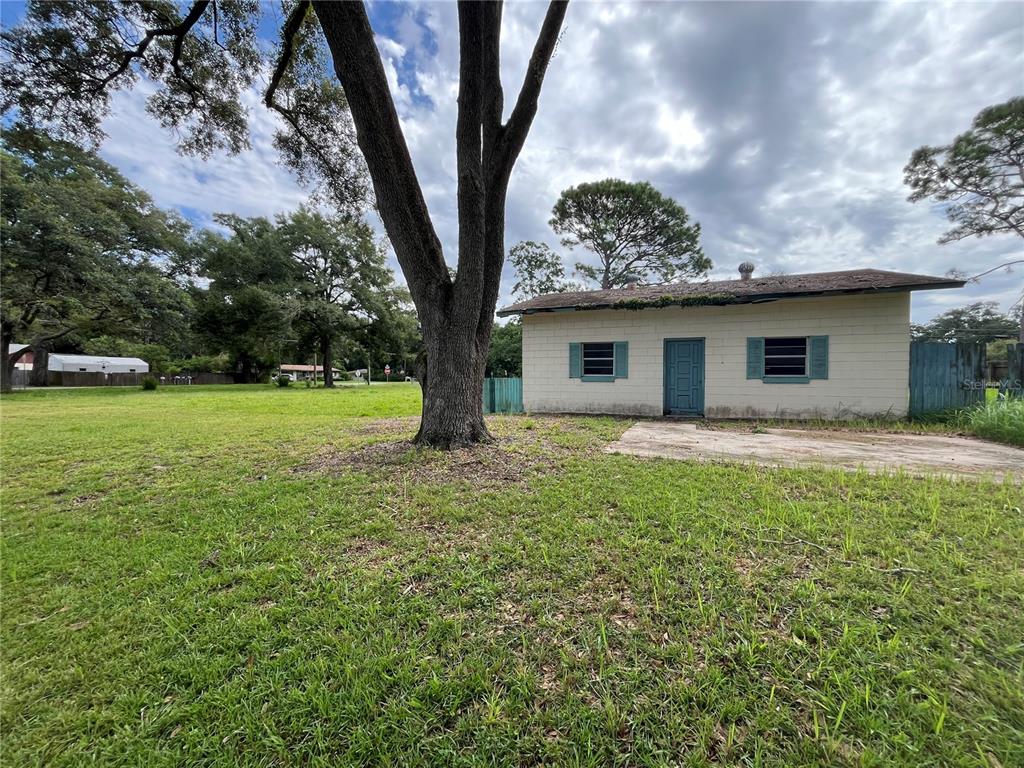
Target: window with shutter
x=787 y=359
x=755 y=357
x=575 y=360
x=599 y=360
x=819 y=357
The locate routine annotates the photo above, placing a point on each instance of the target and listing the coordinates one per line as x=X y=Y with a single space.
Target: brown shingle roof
x=756 y=289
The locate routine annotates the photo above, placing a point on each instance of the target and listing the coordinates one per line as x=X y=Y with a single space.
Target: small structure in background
x=61 y=363
x=302 y=372
x=25 y=361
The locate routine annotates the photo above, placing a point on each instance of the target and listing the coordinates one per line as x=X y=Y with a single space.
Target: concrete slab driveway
x=875 y=451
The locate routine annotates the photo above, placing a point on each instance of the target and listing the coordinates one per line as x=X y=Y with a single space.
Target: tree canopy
x=978 y=322
x=304 y=279
x=341 y=281
x=539 y=270
x=84 y=251
x=505 y=357
x=979 y=177
x=637 y=233
x=66 y=59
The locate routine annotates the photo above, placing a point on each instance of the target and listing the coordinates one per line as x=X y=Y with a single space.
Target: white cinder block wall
x=868 y=366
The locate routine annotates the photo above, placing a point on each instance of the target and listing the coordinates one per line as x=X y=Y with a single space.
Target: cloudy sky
x=782 y=127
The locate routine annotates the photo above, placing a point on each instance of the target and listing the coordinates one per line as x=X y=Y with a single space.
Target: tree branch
x=519 y=122
x=291 y=28
x=178 y=32
x=474 y=25
x=379 y=134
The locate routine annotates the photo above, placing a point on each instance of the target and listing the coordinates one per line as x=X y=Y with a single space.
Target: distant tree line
x=980 y=322
x=90 y=264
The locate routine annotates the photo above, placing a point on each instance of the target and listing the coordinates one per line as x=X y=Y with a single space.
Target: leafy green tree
x=318 y=280
x=250 y=324
x=539 y=270
x=979 y=176
x=505 y=357
x=63 y=61
x=637 y=233
x=978 y=322
x=245 y=309
x=82 y=251
x=341 y=283
x=392 y=337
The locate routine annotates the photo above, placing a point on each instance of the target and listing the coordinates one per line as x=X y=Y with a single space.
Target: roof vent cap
x=746 y=270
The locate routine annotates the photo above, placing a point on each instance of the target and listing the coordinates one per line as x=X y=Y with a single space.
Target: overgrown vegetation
x=255 y=576
x=1001 y=420
x=668 y=300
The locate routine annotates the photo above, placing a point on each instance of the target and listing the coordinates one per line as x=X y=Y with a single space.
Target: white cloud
x=783 y=128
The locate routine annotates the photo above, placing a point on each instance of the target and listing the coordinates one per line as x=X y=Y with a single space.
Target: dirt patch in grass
x=383 y=427
x=370 y=552
x=522 y=448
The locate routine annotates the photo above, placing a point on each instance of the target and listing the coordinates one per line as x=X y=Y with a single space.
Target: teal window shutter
x=575 y=360
x=818 y=366
x=755 y=357
x=622 y=359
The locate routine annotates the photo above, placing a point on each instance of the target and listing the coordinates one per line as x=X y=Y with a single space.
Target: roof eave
x=756 y=299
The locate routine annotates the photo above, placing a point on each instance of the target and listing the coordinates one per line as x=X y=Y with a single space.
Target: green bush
x=283 y=380
x=149 y=383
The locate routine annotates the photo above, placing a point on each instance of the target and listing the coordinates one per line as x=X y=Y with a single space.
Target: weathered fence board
x=503 y=395
x=101 y=379
x=945 y=376
x=1012 y=384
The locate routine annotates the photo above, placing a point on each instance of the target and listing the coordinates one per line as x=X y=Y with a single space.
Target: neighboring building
x=62 y=363
x=25 y=361
x=295 y=372
x=831 y=345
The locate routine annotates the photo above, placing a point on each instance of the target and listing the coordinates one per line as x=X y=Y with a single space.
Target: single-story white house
x=829 y=345
x=95 y=364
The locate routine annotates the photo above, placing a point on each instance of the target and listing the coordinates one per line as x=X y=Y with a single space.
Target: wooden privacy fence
x=945 y=376
x=101 y=379
x=503 y=395
x=1012 y=384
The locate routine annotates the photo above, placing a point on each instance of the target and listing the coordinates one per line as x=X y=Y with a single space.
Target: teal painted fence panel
x=945 y=376
x=1012 y=385
x=503 y=395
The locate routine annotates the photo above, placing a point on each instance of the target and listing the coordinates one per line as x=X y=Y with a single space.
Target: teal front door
x=684 y=377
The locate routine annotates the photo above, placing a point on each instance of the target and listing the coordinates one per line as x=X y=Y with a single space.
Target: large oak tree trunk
x=456 y=316
x=40 y=364
x=453 y=386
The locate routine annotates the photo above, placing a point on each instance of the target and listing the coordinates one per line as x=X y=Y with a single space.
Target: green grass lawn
x=260 y=576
